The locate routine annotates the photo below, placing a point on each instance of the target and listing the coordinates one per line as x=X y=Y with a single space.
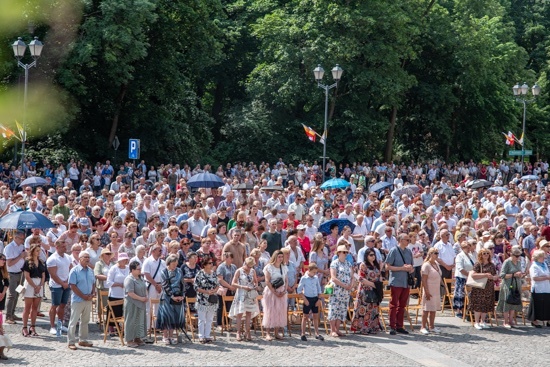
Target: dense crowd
x=270 y=231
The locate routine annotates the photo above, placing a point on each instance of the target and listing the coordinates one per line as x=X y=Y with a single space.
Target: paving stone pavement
x=459 y=345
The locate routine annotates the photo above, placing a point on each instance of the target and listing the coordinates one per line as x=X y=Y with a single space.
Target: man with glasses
x=447 y=255
x=61 y=208
x=152 y=269
x=388 y=239
x=15 y=258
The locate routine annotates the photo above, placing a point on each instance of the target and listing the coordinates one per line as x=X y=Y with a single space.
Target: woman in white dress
x=245 y=301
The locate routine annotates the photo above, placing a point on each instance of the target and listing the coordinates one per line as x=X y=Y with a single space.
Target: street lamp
x=19 y=48
x=521 y=95
x=319 y=72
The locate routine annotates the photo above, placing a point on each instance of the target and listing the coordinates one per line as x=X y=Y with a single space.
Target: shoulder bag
x=476 y=283
x=410 y=277
x=156 y=272
x=279 y=282
x=514 y=295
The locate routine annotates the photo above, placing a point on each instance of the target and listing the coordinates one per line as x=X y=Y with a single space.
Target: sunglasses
x=436 y=253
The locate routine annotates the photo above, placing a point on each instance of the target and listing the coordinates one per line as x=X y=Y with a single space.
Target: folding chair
x=154 y=304
x=415 y=306
x=323 y=311
x=449 y=285
x=116 y=320
x=226 y=320
x=293 y=315
x=102 y=309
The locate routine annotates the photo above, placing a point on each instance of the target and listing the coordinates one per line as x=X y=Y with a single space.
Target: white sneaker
x=484 y=325
x=424 y=331
x=506 y=326
x=478 y=326
x=53 y=331
x=435 y=330
x=64 y=329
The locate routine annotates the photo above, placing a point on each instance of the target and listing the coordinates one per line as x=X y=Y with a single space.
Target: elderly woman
x=341 y=278
x=206 y=285
x=94 y=250
x=171 y=314
x=511 y=275
x=464 y=263
x=245 y=297
x=482 y=300
x=221 y=233
x=115 y=282
x=144 y=238
x=127 y=246
x=135 y=301
x=215 y=246
x=189 y=270
x=539 y=308
x=431 y=296
x=140 y=255
x=225 y=272
x=204 y=251
x=101 y=270
x=274 y=301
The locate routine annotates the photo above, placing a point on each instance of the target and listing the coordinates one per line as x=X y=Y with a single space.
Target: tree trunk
x=114 y=125
x=390 y=136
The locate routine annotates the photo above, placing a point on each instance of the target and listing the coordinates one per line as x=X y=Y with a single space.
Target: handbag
x=213 y=298
x=514 y=296
x=370 y=296
x=476 y=283
x=277 y=283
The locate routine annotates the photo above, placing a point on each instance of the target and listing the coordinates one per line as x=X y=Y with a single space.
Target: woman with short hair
x=341 y=278
x=511 y=275
x=539 y=307
x=206 y=285
x=135 y=301
x=171 y=313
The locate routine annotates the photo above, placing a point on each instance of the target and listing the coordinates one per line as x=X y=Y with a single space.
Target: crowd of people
x=270 y=231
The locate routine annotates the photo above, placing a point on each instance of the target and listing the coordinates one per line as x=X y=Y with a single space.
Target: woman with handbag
x=539 y=308
x=206 y=285
x=245 y=301
x=464 y=263
x=482 y=297
x=275 y=298
x=341 y=276
x=431 y=291
x=170 y=314
x=225 y=272
x=365 y=314
x=509 y=301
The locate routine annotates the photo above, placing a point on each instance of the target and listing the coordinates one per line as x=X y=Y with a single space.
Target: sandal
x=278 y=337
x=166 y=341
x=239 y=337
x=268 y=338
x=33 y=330
x=24 y=331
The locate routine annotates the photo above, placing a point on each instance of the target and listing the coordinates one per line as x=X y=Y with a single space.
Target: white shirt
x=116 y=275
x=465 y=262
x=541 y=286
x=446 y=252
x=150 y=266
x=13 y=251
x=63 y=264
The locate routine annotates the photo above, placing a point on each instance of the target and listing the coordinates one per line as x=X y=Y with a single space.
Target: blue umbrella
x=33 y=181
x=531 y=177
x=497 y=188
x=205 y=179
x=335 y=183
x=325 y=227
x=379 y=186
x=25 y=220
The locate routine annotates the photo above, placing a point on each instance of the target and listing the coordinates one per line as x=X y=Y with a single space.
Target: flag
x=520 y=141
x=310 y=132
x=21 y=131
x=510 y=138
x=6 y=133
x=323 y=138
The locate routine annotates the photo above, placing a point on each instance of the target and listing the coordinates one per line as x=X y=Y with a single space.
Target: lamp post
x=521 y=95
x=319 y=72
x=19 y=48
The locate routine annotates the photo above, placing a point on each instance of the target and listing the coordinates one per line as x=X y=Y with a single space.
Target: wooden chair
x=416 y=306
x=102 y=310
x=226 y=320
x=525 y=300
x=293 y=314
x=323 y=311
x=385 y=307
x=467 y=291
x=449 y=285
x=154 y=304
x=351 y=309
x=260 y=316
x=116 y=320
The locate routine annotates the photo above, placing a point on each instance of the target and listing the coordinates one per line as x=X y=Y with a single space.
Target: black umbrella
x=478 y=184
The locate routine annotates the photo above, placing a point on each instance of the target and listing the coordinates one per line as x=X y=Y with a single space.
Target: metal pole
x=24 y=137
x=325 y=134
x=523 y=136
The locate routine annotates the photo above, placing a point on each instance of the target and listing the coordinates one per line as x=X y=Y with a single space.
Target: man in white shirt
x=296 y=253
x=347 y=213
x=15 y=255
x=152 y=269
x=447 y=254
x=196 y=224
x=310 y=229
x=59 y=265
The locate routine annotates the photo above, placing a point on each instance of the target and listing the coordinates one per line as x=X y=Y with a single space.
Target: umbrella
x=530 y=178
x=335 y=183
x=272 y=188
x=325 y=227
x=205 y=179
x=379 y=186
x=243 y=186
x=445 y=191
x=408 y=190
x=33 y=181
x=25 y=220
x=478 y=184
x=497 y=188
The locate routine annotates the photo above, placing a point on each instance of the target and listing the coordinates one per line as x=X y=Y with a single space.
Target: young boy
x=310 y=289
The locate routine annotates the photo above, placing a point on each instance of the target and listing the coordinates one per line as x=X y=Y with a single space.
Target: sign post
x=134 y=149
x=519 y=152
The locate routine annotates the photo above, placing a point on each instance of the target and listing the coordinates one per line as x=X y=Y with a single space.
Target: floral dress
x=205 y=281
x=365 y=315
x=243 y=302
x=483 y=300
x=339 y=300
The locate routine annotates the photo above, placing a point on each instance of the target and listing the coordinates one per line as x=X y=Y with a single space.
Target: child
x=310 y=289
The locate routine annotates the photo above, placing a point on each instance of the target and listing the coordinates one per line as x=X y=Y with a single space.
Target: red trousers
x=398 y=302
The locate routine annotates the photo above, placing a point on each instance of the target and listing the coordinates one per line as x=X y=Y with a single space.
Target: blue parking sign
x=133 y=149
